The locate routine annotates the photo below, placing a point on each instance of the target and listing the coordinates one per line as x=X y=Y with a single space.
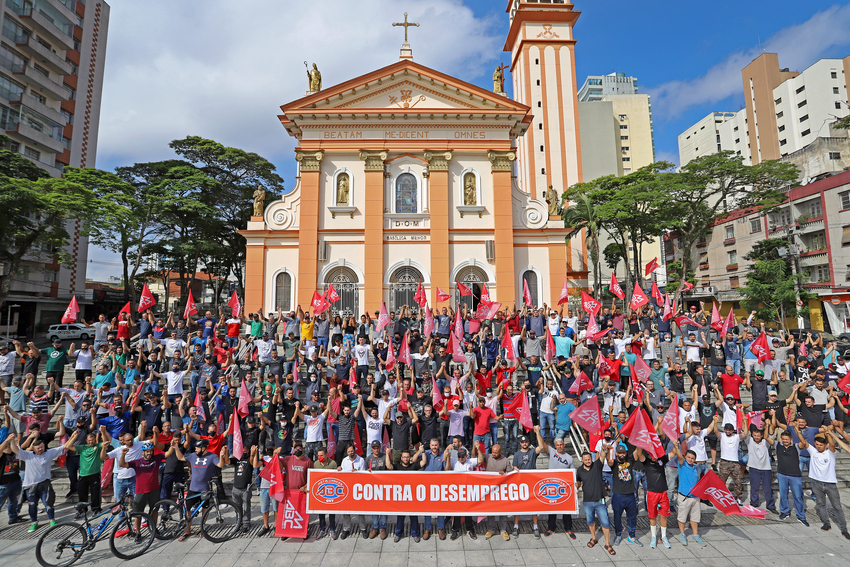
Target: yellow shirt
x=307 y=330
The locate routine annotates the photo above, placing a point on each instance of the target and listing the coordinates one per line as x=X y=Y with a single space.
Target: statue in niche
x=470 y=191
x=315 y=79
x=554 y=202
x=259 y=200
x=342 y=189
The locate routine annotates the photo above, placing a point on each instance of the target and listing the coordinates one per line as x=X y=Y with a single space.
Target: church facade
x=408 y=175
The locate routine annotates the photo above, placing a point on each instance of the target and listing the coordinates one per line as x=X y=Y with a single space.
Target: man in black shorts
x=203 y=465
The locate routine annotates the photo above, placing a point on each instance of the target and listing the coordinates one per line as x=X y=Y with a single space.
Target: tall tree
x=581 y=215
x=772 y=286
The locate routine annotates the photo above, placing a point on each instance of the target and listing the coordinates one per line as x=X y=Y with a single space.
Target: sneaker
x=783 y=516
x=396 y=538
x=652 y=543
x=845 y=534
x=714 y=468
x=320 y=535
x=665 y=541
x=284 y=538
x=264 y=531
x=17 y=520
x=634 y=541
x=515 y=533
x=506 y=536
x=803 y=521
x=33 y=527
x=334 y=535
x=571 y=534
x=416 y=539
x=772 y=510
x=547 y=533
x=471 y=534
x=825 y=528
x=364 y=533
x=344 y=534
x=699 y=540
x=78 y=516
x=52 y=523
x=489 y=534
x=455 y=535
x=683 y=539
x=618 y=540
x=536 y=533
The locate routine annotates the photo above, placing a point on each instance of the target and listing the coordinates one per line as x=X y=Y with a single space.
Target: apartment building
x=719 y=131
x=52 y=55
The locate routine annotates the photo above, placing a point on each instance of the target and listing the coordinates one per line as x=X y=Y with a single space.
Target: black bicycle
x=220 y=518
x=65 y=543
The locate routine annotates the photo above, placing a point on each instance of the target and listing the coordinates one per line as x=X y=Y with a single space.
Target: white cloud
x=221 y=69
x=798 y=47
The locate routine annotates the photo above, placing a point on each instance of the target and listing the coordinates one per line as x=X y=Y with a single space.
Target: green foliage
x=613 y=253
x=771 y=284
x=581 y=215
x=674 y=273
x=843 y=124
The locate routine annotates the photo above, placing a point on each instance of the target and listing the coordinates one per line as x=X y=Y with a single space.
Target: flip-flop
x=184 y=537
x=592 y=543
x=610 y=550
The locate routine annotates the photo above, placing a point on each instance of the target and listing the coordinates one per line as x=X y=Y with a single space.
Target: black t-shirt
x=677 y=380
x=276 y=367
x=412 y=466
x=152 y=414
x=172 y=463
x=243 y=369
x=243 y=473
x=656 y=475
x=428 y=427
x=250 y=437
x=759 y=391
x=418 y=405
x=31 y=364
x=716 y=355
x=10 y=468
x=281 y=435
x=706 y=414
x=401 y=434
x=287 y=406
x=624 y=479
x=779 y=406
x=269 y=409
x=592 y=486
x=788 y=460
x=525 y=460
x=813 y=415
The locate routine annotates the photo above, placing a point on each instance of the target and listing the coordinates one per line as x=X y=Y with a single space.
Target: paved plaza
x=731 y=541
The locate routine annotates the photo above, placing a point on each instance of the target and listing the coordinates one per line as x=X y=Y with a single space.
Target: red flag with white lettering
x=656 y=293
x=626 y=428
x=588 y=415
x=643 y=435
x=271 y=472
x=668 y=311
x=551 y=351
x=71 y=312
x=590 y=305
x=581 y=383
x=608 y=367
x=319 y=304
x=519 y=407
x=463 y=290
x=526 y=293
x=803 y=350
x=419 y=296
x=236 y=431
x=508 y=345
x=106 y=473
x=727 y=324
x=404 y=351
x=191 y=308
x=291 y=520
x=565 y=293
x=760 y=348
x=383 y=317
x=391 y=360
x=235 y=304
x=615 y=287
x=652 y=266
x=457 y=326
x=358 y=446
x=146 y=301
x=485 y=295
x=670 y=423
x=756 y=417
x=331 y=296
x=710 y=487
x=200 y=405
x=385 y=443
x=429 y=321
x=244 y=399
x=436 y=395
x=642 y=369
x=845 y=383
x=126 y=309
x=716 y=321
x=639 y=298
x=683 y=320
x=455 y=348
x=331 y=451
x=687 y=286
x=442 y=295
x=352 y=376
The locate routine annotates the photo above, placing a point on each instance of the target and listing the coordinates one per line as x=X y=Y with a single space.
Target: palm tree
x=578 y=215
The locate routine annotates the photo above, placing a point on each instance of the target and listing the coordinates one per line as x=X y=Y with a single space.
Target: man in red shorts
x=657 y=501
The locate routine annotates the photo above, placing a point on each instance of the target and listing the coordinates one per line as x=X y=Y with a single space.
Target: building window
x=406 y=193
x=783 y=142
x=737 y=140
x=804 y=117
x=834 y=90
x=730 y=231
x=755 y=225
x=818 y=241
x=833 y=75
x=530 y=277
x=777 y=100
x=41 y=70
x=781 y=217
x=705 y=281
x=403 y=285
x=623 y=127
x=51 y=276
x=537 y=61
x=836 y=155
x=627 y=159
x=69 y=118
x=838 y=105
x=736 y=129
x=539 y=104
x=624 y=137
x=805 y=132
x=703 y=258
x=780 y=114
x=782 y=128
x=801 y=89
x=734 y=282
x=283 y=291
x=39 y=97
x=733 y=257
x=538 y=82
x=627 y=170
x=847 y=274
x=819 y=274
x=542 y=171
x=625 y=148
x=541 y=148
x=845 y=197
x=815 y=209
x=845 y=236
x=540 y=126
x=622 y=117
x=802 y=104
x=32 y=154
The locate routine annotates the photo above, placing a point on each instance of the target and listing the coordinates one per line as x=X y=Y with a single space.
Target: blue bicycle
x=65 y=543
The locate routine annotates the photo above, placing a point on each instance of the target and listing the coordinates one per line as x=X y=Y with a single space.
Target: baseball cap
x=461 y=452
x=522 y=438
x=729 y=426
x=250 y=419
x=314 y=407
x=147 y=446
x=771 y=392
x=759 y=372
x=729 y=397
x=376 y=443
x=706 y=396
x=622 y=449
x=202 y=443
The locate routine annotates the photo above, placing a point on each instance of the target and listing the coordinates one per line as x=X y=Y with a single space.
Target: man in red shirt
x=731 y=384
x=294 y=469
x=147 y=477
x=503 y=373
x=481 y=415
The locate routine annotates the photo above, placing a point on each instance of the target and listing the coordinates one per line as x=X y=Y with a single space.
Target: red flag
x=485 y=295
x=191 y=308
x=331 y=296
x=642 y=369
x=615 y=287
x=760 y=349
x=352 y=376
x=608 y=367
x=244 y=399
x=637 y=386
x=442 y=295
x=319 y=304
x=390 y=363
x=803 y=350
x=126 y=309
x=688 y=286
x=668 y=311
x=590 y=305
x=727 y=324
x=385 y=443
x=292 y=520
x=712 y=488
x=739 y=419
x=236 y=431
x=581 y=383
x=436 y=395
x=845 y=383
x=638 y=298
x=519 y=407
x=429 y=321
x=455 y=348
x=716 y=321
x=271 y=473
x=683 y=320
x=464 y=291
x=670 y=423
x=331 y=451
x=404 y=351
x=71 y=312
x=457 y=327
x=644 y=436
x=756 y=417
x=508 y=345
x=652 y=266
x=199 y=404
x=489 y=311
x=656 y=293
x=235 y=304
x=146 y=301
x=137 y=394
x=526 y=293
x=358 y=446
x=551 y=351
x=588 y=415
x=565 y=293
x=106 y=473
x=747 y=510
x=626 y=428
x=383 y=317
x=419 y=297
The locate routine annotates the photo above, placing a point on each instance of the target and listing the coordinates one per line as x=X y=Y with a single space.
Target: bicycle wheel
x=61 y=545
x=170 y=521
x=127 y=542
x=221 y=521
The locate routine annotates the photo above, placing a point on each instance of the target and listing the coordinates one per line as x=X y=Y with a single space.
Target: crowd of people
x=330 y=392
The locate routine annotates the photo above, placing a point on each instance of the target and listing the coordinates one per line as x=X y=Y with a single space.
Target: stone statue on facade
x=554 y=201
x=498 y=80
x=315 y=79
x=470 y=194
x=342 y=190
x=259 y=201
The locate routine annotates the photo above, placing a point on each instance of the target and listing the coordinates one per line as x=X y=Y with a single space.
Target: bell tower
x=542 y=50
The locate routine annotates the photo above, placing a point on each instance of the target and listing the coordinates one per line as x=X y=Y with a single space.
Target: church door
x=403 y=284
x=345 y=283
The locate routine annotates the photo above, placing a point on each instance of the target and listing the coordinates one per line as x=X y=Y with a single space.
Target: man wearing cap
x=729 y=465
x=314 y=428
x=243 y=473
x=462 y=463
x=758 y=462
x=377 y=461
x=824 y=481
x=758 y=387
x=727 y=408
x=147 y=477
x=526 y=459
x=789 y=471
x=203 y=465
x=399 y=429
x=623 y=495
x=57 y=358
x=688 y=504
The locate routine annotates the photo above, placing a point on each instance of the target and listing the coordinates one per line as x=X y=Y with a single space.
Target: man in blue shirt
x=688 y=504
x=432 y=461
x=563 y=421
x=206 y=325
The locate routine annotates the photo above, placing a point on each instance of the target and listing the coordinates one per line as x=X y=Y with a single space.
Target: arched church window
x=283 y=291
x=403 y=284
x=472 y=277
x=530 y=276
x=406 y=189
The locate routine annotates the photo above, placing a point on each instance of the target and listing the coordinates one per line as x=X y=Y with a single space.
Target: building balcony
x=49 y=26
x=810 y=225
x=45 y=85
x=731 y=267
x=37 y=106
x=38 y=139
x=44 y=56
x=702 y=244
x=703 y=267
x=729 y=241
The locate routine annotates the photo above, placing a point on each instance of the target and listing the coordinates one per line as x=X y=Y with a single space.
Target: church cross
x=405 y=25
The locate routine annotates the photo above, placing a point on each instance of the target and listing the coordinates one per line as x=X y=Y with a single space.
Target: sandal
x=184 y=537
x=610 y=550
x=592 y=543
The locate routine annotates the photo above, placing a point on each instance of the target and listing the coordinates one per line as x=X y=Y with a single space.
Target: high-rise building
x=52 y=56
x=598 y=87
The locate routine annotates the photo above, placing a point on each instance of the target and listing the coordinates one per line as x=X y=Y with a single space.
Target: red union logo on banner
x=553 y=491
x=292 y=520
x=722 y=496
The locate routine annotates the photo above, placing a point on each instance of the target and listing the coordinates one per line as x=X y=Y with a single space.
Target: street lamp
x=9 y=319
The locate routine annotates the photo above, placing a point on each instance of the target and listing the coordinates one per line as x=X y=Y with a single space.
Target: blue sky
x=213 y=68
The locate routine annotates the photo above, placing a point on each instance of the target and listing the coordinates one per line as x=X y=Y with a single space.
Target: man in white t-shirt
x=461 y=464
x=374 y=426
x=351 y=463
x=730 y=441
x=553 y=322
x=361 y=357
x=558 y=459
x=125 y=478
x=547 y=413
x=758 y=461
x=84 y=357
x=314 y=429
x=648 y=351
x=824 y=481
x=695 y=439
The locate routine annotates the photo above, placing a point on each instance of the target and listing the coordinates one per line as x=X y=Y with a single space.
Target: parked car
x=70 y=331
